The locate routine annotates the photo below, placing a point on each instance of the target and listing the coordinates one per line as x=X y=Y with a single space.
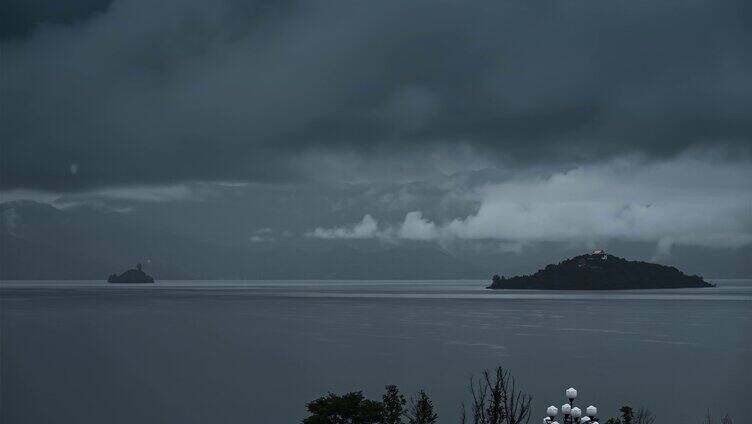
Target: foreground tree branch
x=496 y=400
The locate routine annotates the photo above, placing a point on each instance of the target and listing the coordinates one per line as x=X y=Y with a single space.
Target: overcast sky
x=519 y=122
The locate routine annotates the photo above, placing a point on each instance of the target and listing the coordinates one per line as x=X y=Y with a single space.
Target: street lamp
x=591 y=412
x=572 y=414
x=551 y=411
x=571 y=395
x=566 y=409
x=576 y=414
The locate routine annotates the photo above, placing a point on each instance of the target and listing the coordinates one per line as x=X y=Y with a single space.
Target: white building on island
x=601 y=253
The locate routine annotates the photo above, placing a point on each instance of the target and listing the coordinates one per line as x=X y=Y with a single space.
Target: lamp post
x=571 y=395
x=551 y=411
x=566 y=409
x=591 y=412
x=576 y=414
x=572 y=414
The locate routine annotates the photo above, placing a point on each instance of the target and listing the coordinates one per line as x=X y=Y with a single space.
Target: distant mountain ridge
x=601 y=271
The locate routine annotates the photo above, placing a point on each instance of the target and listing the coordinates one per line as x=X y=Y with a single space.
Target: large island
x=601 y=271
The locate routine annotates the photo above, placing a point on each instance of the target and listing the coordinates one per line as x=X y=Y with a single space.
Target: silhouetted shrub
x=350 y=408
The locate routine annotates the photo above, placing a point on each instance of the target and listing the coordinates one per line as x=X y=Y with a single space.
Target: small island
x=601 y=271
x=133 y=276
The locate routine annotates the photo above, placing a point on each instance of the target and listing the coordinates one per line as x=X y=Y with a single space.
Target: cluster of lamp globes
x=571 y=414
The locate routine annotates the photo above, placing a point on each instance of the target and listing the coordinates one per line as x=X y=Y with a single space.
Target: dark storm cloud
x=19 y=18
x=161 y=92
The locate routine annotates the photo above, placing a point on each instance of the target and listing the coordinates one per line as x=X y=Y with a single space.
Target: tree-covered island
x=601 y=271
x=136 y=275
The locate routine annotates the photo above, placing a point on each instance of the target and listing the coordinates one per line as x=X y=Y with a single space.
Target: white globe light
x=551 y=411
x=591 y=411
x=585 y=420
x=566 y=409
x=576 y=412
x=594 y=422
x=571 y=393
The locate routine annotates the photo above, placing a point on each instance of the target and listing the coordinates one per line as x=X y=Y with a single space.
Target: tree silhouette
x=350 y=408
x=496 y=400
x=421 y=410
x=626 y=414
x=393 y=405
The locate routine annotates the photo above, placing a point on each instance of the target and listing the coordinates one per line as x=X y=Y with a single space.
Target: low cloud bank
x=686 y=201
x=365 y=229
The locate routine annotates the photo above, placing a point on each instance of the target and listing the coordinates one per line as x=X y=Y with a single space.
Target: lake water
x=256 y=352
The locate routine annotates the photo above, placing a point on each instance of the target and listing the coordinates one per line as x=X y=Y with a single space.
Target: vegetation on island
x=136 y=275
x=601 y=271
x=494 y=399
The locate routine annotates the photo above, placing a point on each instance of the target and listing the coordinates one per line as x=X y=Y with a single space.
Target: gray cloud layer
x=19 y=18
x=686 y=201
x=162 y=92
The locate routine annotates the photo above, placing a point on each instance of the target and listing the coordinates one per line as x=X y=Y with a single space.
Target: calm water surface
x=255 y=352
